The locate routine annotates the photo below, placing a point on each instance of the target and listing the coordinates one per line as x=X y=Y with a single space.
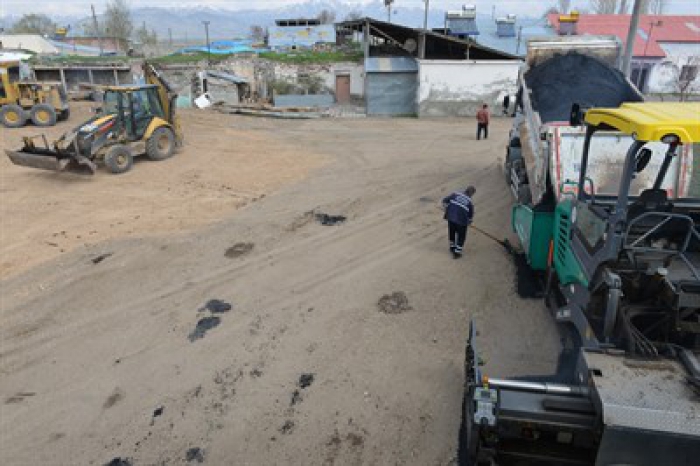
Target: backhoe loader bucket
x=73 y=164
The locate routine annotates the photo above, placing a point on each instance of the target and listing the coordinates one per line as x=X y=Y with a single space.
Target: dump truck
x=23 y=99
x=622 y=278
x=133 y=120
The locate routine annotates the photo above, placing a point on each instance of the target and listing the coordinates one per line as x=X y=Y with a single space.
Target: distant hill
x=186 y=22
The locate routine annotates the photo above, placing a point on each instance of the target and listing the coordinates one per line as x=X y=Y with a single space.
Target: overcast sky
x=522 y=7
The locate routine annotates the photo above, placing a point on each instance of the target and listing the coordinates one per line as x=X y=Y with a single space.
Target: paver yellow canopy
x=651 y=121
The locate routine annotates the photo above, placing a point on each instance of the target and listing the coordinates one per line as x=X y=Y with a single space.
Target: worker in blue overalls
x=459 y=213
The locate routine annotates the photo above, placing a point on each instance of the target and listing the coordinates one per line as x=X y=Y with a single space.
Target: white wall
x=458 y=88
x=664 y=76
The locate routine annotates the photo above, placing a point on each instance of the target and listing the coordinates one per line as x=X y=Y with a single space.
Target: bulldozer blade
x=79 y=165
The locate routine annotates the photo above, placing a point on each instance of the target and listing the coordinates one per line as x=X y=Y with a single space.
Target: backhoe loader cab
x=133 y=120
x=135 y=108
x=22 y=100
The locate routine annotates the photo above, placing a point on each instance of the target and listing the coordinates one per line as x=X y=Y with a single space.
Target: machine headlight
x=670 y=139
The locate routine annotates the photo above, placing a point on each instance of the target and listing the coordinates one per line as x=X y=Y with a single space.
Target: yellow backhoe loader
x=22 y=100
x=133 y=120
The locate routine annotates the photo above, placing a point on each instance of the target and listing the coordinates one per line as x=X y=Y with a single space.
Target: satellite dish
x=410 y=45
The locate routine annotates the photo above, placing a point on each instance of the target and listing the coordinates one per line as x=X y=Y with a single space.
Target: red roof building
x=666 y=47
x=666 y=28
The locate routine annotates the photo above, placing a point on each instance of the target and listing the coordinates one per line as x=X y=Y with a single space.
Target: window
x=590 y=226
x=13 y=74
x=111 y=103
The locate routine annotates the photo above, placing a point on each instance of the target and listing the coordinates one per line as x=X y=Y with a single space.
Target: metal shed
x=391 y=86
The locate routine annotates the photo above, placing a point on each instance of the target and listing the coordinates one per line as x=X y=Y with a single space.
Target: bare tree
x=353 y=15
x=257 y=32
x=326 y=16
x=117 y=21
x=564 y=6
x=687 y=76
x=145 y=36
x=623 y=7
x=34 y=24
x=653 y=7
x=604 y=7
x=552 y=10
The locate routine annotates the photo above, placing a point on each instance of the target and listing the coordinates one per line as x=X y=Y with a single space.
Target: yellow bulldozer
x=21 y=100
x=133 y=120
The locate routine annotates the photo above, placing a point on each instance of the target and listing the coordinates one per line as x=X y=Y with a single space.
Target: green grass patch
x=313 y=57
x=183 y=58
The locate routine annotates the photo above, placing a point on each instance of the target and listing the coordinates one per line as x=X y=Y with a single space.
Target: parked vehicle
x=22 y=100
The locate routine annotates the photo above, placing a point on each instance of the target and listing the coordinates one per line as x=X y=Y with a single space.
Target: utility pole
x=520 y=35
x=424 y=37
x=206 y=31
x=170 y=36
x=629 y=45
x=387 y=4
x=646 y=45
x=97 y=29
x=425 y=20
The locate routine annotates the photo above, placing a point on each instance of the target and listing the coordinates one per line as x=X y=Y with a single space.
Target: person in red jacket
x=482 y=119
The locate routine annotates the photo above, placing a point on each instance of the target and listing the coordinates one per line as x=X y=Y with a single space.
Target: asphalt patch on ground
x=101 y=257
x=305 y=381
x=203 y=326
x=238 y=250
x=528 y=283
x=194 y=455
x=119 y=462
x=287 y=427
x=395 y=303
x=216 y=306
x=329 y=220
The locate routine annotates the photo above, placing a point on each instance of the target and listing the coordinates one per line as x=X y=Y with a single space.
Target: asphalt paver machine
x=623 y=280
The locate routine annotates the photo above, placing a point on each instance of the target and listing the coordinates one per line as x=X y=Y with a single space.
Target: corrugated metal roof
x=674 y=28
x=391 y=65
x=32 y=42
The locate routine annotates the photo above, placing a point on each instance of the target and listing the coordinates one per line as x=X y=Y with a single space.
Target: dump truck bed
x=559 y=73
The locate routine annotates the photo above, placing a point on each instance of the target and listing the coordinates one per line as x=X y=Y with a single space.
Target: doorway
x=342 y=88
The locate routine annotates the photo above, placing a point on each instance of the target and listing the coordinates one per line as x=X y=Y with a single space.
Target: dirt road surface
x=218 y=170
x=121 y=359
